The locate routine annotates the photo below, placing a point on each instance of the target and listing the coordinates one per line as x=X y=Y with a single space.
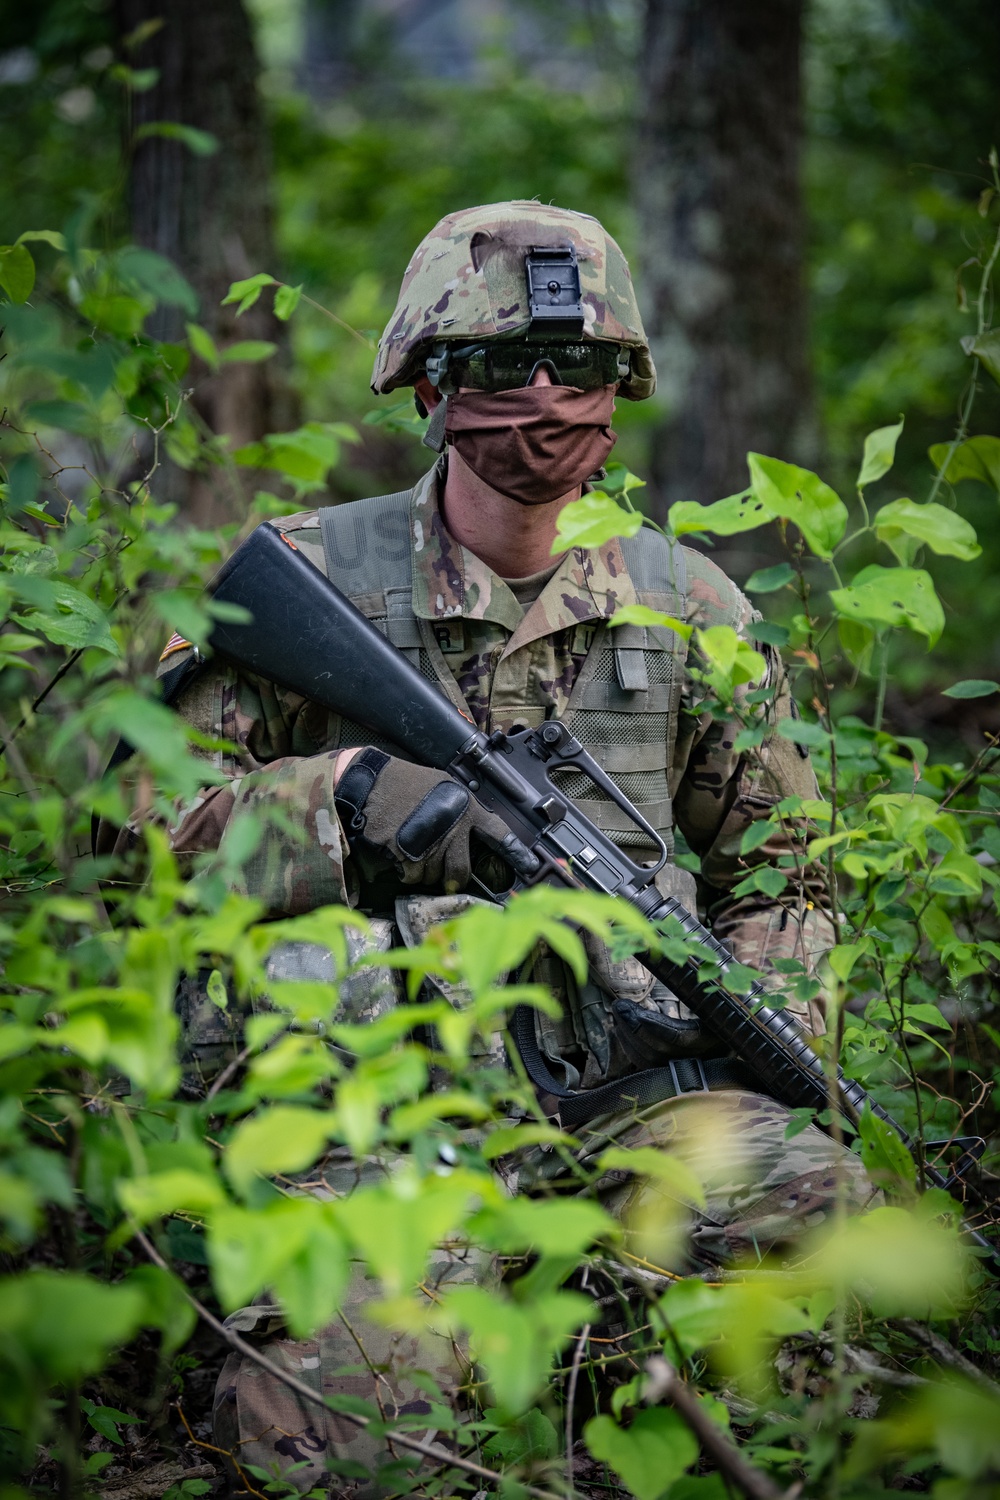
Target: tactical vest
x=624 y=703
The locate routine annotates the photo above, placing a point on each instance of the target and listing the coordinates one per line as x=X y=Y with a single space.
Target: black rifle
x=308 y=637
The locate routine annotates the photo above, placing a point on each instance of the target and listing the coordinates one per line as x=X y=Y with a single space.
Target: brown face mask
x=534 y=443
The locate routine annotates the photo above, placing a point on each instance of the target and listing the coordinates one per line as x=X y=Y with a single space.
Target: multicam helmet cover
x=466 y=280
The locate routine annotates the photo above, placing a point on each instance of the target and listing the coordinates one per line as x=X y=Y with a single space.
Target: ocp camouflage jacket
x=627 y=693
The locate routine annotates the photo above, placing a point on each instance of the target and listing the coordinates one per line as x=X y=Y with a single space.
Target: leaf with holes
x=797 y=494
x=729 y=517
x=892 y=596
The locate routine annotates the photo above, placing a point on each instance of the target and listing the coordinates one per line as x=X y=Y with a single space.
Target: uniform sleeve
x=274 y=815
x=720 y=792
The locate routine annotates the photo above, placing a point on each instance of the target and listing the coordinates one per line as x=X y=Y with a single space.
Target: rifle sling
x=638 y=1091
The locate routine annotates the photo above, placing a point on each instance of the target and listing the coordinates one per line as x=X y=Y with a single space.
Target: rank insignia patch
x=175 y=643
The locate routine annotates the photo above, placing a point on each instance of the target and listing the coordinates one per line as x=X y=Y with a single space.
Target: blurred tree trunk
x=209 y=214
x=721 y=221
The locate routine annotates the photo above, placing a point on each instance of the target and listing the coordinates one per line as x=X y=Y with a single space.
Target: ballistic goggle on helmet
x=493 y=292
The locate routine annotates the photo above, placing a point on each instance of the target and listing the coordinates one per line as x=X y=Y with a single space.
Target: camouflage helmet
x=467 y=280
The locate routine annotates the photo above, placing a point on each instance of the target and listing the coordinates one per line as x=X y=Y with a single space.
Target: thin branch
x=67 y=666
x=439 y=1455
x=574 y=1375
x=666 y=1384
x=943 y=1352
x=211 y=1448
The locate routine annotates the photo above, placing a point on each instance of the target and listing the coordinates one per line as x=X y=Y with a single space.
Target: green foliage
x=649 y=1454
x=106 y=1154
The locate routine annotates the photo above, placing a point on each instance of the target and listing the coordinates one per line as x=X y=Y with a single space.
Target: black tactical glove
x=650 y=1038
x=422 y=820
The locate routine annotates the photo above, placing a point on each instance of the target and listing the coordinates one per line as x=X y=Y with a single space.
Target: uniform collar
x=449 y=581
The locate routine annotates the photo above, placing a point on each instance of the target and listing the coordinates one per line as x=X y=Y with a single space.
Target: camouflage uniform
x=507 y=666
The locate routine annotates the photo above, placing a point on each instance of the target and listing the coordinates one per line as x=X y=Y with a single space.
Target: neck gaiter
x=535 y=443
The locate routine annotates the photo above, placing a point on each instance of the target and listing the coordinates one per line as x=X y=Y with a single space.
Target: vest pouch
x=415 y=916
x=365 y=995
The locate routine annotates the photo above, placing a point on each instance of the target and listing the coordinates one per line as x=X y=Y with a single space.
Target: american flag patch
x=175 y=643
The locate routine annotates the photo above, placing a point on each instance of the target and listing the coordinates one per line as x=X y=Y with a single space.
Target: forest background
x=797 y=193
x=809 y=201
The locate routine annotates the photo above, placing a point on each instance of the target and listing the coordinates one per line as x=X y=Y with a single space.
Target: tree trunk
x=721 y=222
x=209 y=214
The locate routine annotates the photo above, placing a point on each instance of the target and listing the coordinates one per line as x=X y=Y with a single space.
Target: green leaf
x=515 y=1343
x=249 y=351
x=767 y=879
x=844 y=956
x=901 y=1263
x=731 y=661
x=641 y=614
x=619 y=480
x=976 y=458
x=556 y=1227
x=60 y=1326
x=282 y=1139
x=247 y=291
x=500 y=1142
x=892 y=596
x=771 y=635
x=72 y=416
x=394 y=1227
x=306 y=455
x=803 y=732
x=858 y=643
x=904 y=525
x=593 y=520
x=669 y=1171
x=138 y=80
x=767 y=580
x=971 y=687
x=650 y=1455
x=879 y=454
x=202 y=344
x=292 y=1247
x=532 y=1437
x=216 y=990
x=156 y=275
x=798 y=495
x=44 y=236
x=167 y=1304
x=142 y=33
x=742 y=512
x=17 y=272
x=757 y=834
x=105 y=1420
x=61 y=612
x=985 y=348
x=286 y=300
x=201 y=142
x=161 y=1193
x=23 y=480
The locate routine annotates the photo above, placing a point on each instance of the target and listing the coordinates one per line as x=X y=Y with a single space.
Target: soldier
x=517 y=327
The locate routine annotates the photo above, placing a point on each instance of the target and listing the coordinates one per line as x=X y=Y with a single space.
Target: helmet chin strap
x=433 y=438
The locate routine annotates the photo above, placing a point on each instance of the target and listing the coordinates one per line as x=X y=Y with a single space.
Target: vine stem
x=965 y=411
x=883 y=678
x=403 y=1439
x=339 y=321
